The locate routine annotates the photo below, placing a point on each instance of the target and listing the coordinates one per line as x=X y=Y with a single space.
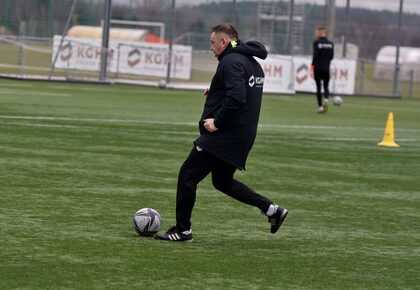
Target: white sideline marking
x=330 y=127
x=20 y=85
x=196 y=134
x=33 y=93
x=43 y=125
x=347 y=139
x=156 y=122
x=148 y=91
x=44 y=118
x=95 y=128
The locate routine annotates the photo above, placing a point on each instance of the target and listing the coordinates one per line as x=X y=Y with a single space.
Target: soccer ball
x=337 y=100
x=146 y=222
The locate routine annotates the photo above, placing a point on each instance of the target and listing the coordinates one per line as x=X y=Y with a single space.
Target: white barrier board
x=137 y=58
x=278 y=74
x=343 y=75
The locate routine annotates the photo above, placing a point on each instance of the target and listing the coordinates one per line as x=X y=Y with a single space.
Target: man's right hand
x=209 y=125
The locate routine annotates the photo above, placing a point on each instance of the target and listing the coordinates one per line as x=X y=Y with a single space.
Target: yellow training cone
x=389 y=137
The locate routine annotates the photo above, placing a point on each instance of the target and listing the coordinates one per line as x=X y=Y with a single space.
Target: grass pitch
x=77 y=161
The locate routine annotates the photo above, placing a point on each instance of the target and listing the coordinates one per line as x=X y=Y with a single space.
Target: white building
x=93 y=32
x=409 y=61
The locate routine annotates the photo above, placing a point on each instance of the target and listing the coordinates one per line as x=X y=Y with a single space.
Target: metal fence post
x=21 y=60
x=330 y=18
x=396 y=83
x=411 y=84
x=289 y=27
x=6 y=13
x=66 y=27
x=118 y=60
x=171 y=40
x=346 y=29
x=362 y=76
x=21 y=57
x=103 y=75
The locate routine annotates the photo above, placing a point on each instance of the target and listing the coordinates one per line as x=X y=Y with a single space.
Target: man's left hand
x=209 y=125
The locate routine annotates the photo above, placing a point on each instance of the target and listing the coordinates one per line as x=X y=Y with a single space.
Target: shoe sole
x=184 y=241
x=281 y=219
x=178 y=241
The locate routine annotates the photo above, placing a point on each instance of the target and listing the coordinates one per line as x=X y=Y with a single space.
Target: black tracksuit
x=234 y=101
x=323 y=53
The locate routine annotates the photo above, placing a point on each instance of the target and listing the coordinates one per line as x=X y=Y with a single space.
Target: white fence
x=146 y=63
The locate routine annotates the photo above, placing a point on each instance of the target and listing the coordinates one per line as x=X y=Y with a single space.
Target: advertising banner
x=149 y=59
x=343 y=75
x=152 y=60
x=278 y=74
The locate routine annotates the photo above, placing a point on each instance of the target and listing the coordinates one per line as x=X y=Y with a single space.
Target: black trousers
x=324 y=76
x=195 y=168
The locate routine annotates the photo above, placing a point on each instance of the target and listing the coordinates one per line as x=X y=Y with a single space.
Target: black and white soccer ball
x=337 y=100
x=146 y=222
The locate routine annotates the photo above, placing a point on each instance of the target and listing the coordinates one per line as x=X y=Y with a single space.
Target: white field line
x=364 y=139
x=45 y=125
x=196 y=134
x=412 y=109
x=134 y=90
x=96 y=120
x=19 y=85
x=32 y=93
x=157 y=122
x=95 y=128
x=347 y=139
x=285 y=126
x=15 y=89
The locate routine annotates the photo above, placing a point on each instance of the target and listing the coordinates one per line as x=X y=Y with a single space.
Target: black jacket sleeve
x=332 y=52
x=315 y=52
x=234 y=79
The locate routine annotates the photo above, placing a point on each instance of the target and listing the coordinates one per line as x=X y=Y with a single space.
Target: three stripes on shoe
x=174 y=237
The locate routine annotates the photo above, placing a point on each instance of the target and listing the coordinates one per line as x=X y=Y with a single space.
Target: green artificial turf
x=77 y=161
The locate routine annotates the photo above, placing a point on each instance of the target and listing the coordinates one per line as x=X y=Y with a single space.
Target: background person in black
x=323 y=53
x=228 y=127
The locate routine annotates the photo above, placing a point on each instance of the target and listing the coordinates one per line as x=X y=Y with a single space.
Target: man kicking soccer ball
x=228 y=127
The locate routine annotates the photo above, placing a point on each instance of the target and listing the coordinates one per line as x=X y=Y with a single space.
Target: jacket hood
x=251 y=48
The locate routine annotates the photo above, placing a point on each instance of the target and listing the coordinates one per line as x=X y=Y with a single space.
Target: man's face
x=320 y=33
x=218 y=42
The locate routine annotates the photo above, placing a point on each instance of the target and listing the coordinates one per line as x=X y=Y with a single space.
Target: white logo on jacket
x=325 y=45
x=259 y=81
x=251 y=81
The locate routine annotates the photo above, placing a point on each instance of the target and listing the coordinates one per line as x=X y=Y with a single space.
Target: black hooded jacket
x=323 y=53
x=234 y=101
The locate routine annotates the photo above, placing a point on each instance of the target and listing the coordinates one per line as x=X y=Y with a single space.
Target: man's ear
x=225 y=41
